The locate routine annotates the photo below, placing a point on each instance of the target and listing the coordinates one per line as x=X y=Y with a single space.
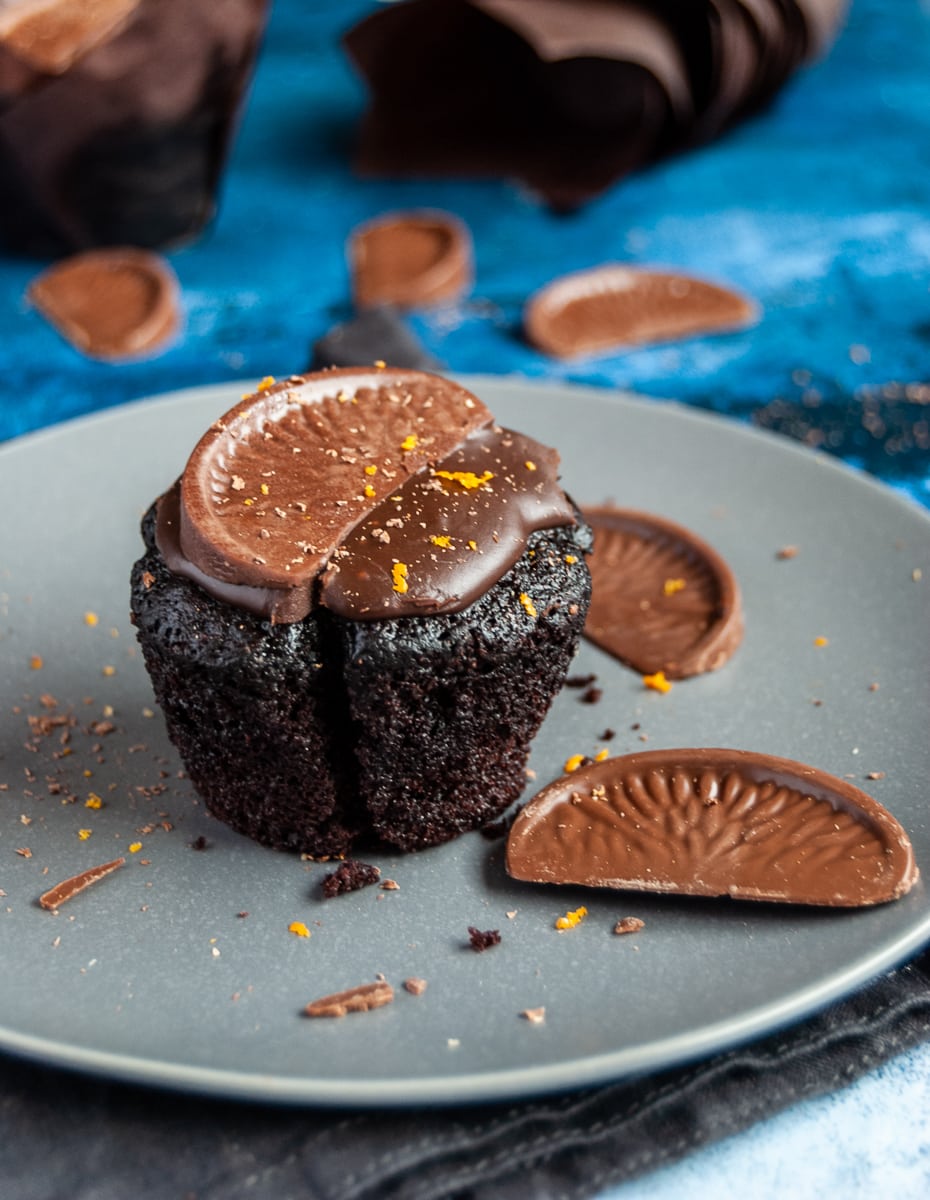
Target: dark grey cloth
x=64 y=1135
x=376 y=334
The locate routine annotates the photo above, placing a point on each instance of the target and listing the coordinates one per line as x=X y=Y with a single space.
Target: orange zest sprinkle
x=468 y=479
x=91 y=619
x=36 y=662
x=380 y=364
x=93 y=801
x=821 y=641
x=298 y=928
x=530 y=466
x=472 y=545
x=371 y=470
x=409 y=442
x=108 y=671
x=264 y=489
x=671 y=586
x=572 y=918
x=571 y=559
x=135 y=847
x=657 y=682
x=369 y=491
x=84 y=834
x=442 y=540
x=573 y=763
x=602 y=754
x=528 y=605
x=265 y=383
x=399 y=578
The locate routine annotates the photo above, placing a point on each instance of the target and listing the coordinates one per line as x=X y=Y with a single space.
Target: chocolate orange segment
x=111 y=304
x=273 y=488
x=662 y=599
x=615 y=307
x=410 y=260
x=714 y=823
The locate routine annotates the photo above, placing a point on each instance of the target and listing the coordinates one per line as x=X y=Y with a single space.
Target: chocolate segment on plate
x=615 y=307
x=662 y=599
x=714 y=823
x=412 y=260
x=110 y=304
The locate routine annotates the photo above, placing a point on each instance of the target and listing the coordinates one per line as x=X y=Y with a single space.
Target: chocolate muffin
x=356 y=606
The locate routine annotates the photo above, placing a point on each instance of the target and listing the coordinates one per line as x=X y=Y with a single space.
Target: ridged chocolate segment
x=662 y=599
x=714 y=823
x=273 y=488
x=613 y=307
x=412 y=260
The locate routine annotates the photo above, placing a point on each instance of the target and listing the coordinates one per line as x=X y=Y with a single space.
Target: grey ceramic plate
x=153 y=975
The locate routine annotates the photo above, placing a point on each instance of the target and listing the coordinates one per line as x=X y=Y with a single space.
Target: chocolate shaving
x=358 y=999
x=68 y=888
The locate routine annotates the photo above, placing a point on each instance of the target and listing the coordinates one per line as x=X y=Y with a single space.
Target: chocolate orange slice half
x=714 y=823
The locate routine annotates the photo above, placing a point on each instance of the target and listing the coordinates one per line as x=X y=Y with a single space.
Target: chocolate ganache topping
x=373 y=492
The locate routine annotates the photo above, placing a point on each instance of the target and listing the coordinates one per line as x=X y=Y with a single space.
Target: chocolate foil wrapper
x=568 y=96
x=116 y=117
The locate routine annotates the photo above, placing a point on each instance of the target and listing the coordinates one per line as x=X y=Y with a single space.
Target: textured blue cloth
x=819 y=208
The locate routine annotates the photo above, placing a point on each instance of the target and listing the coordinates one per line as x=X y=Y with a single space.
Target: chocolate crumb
x=629 y=925
x=415 y=986
x=591 y=695
x=580 y=681
x=482 y=939
x=608 y=735
x=77 y=883
x=242 y=915
x=199 y=843
x=357 y=999
x=349 y=876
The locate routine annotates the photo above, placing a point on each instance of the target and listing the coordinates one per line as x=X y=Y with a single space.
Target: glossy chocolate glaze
x=662 y=599
x=714 y=823
x=342 y=472
x=454 y=540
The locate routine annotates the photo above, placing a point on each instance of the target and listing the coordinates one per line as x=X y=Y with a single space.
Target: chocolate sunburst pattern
x=714 y=823
x=662 y=600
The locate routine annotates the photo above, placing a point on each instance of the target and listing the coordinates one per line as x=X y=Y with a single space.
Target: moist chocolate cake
x=356 y=606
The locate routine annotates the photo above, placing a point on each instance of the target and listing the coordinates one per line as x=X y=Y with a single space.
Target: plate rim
x=512 y=1083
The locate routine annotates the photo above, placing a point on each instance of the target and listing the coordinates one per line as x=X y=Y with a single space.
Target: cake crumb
x=349 y=876
x=482 y=939
x=535 y=1016
x=875 y=775
x=415 y=986
x=390 y=885
x=786 y=552
x=629 y=925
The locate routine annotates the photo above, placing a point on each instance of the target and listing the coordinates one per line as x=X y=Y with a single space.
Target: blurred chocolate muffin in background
x=567 y=96
x=116 y=117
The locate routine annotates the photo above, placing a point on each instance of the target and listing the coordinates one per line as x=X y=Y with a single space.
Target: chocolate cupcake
x=356 y=606
x=116 y=117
